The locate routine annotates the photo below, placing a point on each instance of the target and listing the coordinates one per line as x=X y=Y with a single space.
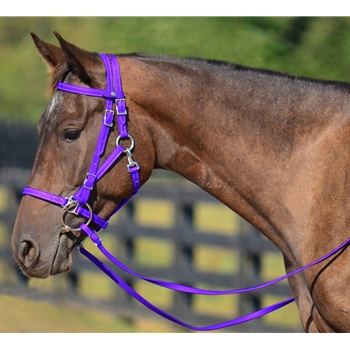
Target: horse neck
x=246 y=137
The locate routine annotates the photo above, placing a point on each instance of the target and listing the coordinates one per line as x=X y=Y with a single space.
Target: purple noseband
x=78 y=203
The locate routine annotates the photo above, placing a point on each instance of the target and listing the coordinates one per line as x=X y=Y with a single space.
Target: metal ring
x=67 y=209
x=119 y=138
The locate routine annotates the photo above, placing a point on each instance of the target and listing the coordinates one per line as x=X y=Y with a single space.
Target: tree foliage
x=316 y=47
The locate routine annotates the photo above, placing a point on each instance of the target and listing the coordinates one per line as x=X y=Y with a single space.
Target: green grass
x=25 y=316
x=21 y=315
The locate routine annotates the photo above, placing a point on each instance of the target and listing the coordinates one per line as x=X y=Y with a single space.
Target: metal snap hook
x=131 y=161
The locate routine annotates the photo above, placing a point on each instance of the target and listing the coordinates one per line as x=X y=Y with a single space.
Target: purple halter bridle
x=77 y=204
x=113 y=95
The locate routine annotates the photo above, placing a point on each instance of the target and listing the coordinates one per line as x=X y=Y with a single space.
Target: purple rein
x=78 y=203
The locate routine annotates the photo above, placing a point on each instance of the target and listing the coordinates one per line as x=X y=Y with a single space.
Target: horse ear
x=78 y=60
x=51 y=54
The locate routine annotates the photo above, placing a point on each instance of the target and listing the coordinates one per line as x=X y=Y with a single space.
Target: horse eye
x=71 y=135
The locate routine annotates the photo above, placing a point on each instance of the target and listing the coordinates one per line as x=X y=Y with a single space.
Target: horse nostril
x=27 y=253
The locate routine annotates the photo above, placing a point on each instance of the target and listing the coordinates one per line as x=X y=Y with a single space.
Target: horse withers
x=272 y=147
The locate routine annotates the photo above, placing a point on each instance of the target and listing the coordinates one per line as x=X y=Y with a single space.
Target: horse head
x=68 y=133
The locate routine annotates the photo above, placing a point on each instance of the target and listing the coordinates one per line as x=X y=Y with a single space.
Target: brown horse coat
x=272 y=147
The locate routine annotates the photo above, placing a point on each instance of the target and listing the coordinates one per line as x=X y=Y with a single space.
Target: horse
x=273 y=147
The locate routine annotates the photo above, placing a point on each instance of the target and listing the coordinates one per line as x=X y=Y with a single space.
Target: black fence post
x=182 y=302
x=125 y=250
x=249 y=270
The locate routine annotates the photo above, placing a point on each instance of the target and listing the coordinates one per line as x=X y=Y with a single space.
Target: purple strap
x=114 y=91
x=62 y=201
x=178 y=287
x=46 y=196
x=166 y=315
x=120 y=101
x=187 y=289
x=111 y=82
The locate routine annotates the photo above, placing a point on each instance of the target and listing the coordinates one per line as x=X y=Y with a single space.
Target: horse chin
x=63 y=260
x=62 y=265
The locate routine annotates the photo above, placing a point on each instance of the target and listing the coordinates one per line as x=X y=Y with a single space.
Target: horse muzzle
x=41 y=263
x=39 y=248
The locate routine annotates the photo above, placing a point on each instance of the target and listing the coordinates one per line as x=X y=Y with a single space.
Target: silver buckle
x=104 y=118
x=86 y=177
x=116 y=106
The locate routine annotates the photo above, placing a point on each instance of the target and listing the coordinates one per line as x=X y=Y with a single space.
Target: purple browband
x=114 y=94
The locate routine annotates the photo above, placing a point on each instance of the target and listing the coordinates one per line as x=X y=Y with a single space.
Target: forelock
x=57 y=75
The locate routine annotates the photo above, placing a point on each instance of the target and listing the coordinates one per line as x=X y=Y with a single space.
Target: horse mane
x=229 y=67
x=59 y=72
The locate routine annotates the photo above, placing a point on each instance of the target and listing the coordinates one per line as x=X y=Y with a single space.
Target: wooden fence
x=178 y=247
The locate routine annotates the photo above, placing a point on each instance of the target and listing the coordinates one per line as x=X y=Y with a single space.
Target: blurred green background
x=315 y=47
